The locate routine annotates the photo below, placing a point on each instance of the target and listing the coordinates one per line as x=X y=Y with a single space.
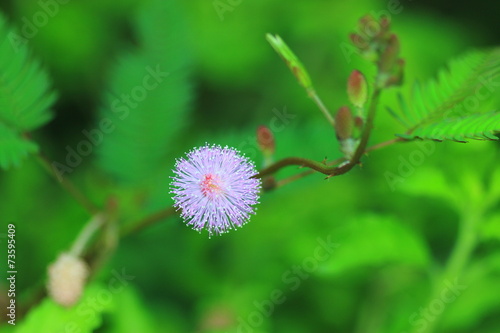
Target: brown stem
x=384 y=144
x=322 y=167
x=298 y=176
x=314 y=166
x=302 y=162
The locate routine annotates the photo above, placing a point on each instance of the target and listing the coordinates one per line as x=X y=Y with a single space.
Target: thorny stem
x=300 y=161
x=324 y=168
x=298 y=176
x=170 y=211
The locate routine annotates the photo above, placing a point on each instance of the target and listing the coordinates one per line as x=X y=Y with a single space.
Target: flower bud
x=344 y=123
x=359 y=41
x=67 y=276
x=390 y=55
x=269 y=183
x=369 y=26
x=385 y=24
x=357 y=89
x=265 y=139
x=290 y=59
x=396 y=79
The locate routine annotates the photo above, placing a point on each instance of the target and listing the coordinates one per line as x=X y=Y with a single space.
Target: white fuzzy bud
x=67 y=276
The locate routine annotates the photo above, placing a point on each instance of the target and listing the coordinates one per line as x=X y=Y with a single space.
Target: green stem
x=86 y=234
x=315 y=97
x=459 y=257
x=464 y=245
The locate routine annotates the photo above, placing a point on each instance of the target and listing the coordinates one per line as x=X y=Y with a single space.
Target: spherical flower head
x=214 y=189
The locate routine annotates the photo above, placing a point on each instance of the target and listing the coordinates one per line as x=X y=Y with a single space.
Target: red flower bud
x=368 y=26
x=358 y=41
x=385 y=23
x=390 y=55
x=265 y=139
x=344 y=123
x=357 y=89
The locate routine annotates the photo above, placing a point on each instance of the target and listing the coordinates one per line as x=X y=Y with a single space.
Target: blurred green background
x=393 y=241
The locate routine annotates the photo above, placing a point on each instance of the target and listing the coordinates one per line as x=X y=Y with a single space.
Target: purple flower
x=213 y=188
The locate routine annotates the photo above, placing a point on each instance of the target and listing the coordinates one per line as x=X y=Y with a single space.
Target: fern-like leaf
x=145 y=126
x=13 y=148
x=440 y=109
x=25 y=97
x=475 y=127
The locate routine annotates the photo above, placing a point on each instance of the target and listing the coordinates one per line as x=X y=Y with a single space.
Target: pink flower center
x=211 y=185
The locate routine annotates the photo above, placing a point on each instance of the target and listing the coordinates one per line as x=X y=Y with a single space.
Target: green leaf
x=441 y=109
x=149 y=97
x=25 y=97
x=475 y=127
x=490 y=228
x=373 y=241
x=290 y=59
x=84 y=317
x=130 y=315
x=430 y=182
x=13 y=147
x=472 y=308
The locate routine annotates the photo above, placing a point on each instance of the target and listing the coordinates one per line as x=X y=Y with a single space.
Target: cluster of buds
x=378 y=44
x=349 y=124
x=67 y=277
